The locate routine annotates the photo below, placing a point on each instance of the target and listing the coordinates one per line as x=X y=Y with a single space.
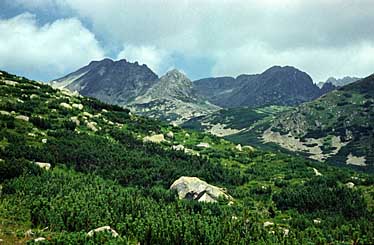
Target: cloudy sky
x=45 y=39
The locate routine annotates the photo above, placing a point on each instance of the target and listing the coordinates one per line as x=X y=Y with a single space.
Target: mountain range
x=175 y=98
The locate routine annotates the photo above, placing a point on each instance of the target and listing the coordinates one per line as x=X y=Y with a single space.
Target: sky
x=46 y=39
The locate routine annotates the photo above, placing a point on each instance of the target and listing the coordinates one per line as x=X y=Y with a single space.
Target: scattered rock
x=268 y=223
x=203 y=145
x=34 y=96
x=66 y=106
x=286 y=231
x=350 y=185
x=317 y=221
x=178 y=147
x=75 y=120
x=193 y=188
x=316 y=172
x=44 y=141
x=92 y=126
x=22 y=117
x=4 y=113
x=87 y=114
x=78 y=106
x=29 y=233
x=39 y=239
x=170 y=135
x=101 y=229
x=10 y=83
x=44 y=165
x=157 y=138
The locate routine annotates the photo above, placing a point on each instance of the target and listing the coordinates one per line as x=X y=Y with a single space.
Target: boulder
x=317 y=221
x=78 y=106
x=44 y=165
x=268 y=223
x=66 y=105
x=350 y=185
x=170 y=135
x=239 y=147
x=22 y=117
x=157 y=138
x=75 y=120
x=92 y=126
x=203 y=145
x=101 y=229
x=193 y=188
x=4 y=113
x=316 y=172
x=39 y=239
x=178 y=147
x=44 y=141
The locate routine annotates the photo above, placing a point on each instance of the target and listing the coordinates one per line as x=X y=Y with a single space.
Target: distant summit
x=116 y=82
x=275 y=86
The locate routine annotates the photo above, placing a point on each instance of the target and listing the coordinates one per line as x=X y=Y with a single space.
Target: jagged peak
x=176 y=74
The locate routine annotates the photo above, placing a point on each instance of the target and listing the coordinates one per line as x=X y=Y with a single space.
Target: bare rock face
x=101 y=229
x=194 y=188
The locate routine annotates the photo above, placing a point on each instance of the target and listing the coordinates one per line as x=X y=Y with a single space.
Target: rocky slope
x=172 y=99
x=115 y=82
x=276 y=86
x=338 y=127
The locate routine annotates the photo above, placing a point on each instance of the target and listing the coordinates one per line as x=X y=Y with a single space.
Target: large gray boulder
x=193 y=188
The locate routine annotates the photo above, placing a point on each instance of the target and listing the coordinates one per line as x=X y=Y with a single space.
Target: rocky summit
x=115 y=82
x=276 y=86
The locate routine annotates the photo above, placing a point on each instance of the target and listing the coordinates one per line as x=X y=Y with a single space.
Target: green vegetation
x=102 y=173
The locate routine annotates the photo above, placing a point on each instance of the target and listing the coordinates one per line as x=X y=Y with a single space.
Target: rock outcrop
x=101 y=229
x=193 y=188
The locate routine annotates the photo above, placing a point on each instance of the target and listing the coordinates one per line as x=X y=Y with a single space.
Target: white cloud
x=239 y=35
x=154 y=58
x=43 y=52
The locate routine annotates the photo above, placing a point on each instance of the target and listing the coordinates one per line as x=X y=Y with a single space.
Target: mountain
x=75 y=170
x=327 y=87
x=339 y=82
x=116 y=82
x=337 y=127
x=276 y=86
x=172 y=99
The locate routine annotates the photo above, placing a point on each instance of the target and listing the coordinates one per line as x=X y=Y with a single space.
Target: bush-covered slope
x=103 y=173
x=337 y=127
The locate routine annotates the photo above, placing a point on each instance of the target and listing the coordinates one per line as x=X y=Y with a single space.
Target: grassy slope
x=109 y=177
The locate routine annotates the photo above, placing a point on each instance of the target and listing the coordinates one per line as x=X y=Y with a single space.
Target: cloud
x=238 y=35
x=156 y=59
x=44 y=52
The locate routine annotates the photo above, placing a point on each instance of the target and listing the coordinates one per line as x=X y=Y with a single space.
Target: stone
x=39 y=239
x=101 y=229
x=157 y=138
x=44 y=141
x=44 y=165
x=22 y=117
x=317 y=221
x=239 y=147
x=75 y=120
x=87 y=114
x=350 y=185
x=34 y=96
x=316 y=172
x=178 y=147
x=92 y=126
x=170 y=135
x=193 y=188
x=268 y=223
x=6 y=113
x=203 y=145
x=66 y=105
x=77 y=106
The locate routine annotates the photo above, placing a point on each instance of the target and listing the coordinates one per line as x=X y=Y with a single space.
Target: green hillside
x=105 y=172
